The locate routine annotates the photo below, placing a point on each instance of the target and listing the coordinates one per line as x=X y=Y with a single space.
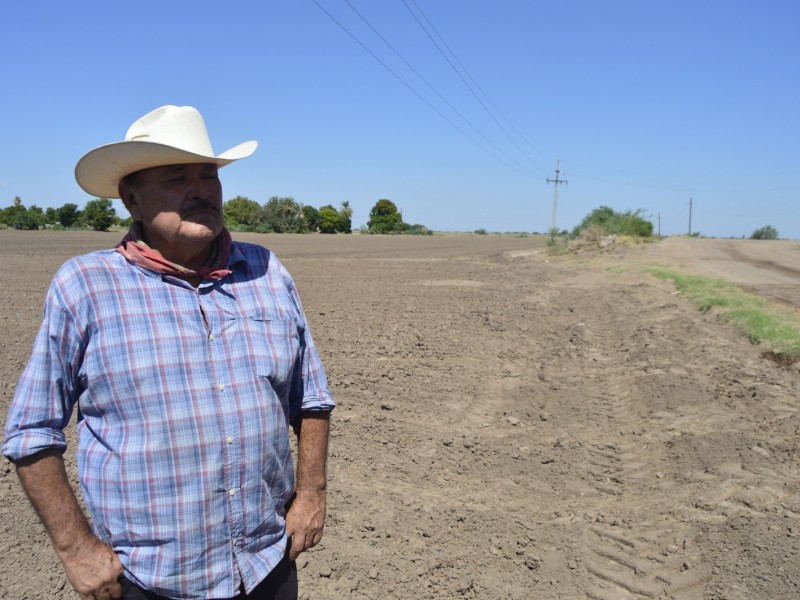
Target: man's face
x=178 y=205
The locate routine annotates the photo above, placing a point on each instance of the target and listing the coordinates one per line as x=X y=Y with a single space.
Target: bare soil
x=510 y=425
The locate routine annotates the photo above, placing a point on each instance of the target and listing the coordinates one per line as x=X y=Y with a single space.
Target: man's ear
x=129 y=197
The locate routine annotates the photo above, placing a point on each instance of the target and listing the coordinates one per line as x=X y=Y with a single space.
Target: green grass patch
x=763 y=322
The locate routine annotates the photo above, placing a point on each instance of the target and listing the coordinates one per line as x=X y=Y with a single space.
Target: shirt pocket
x=274 y=344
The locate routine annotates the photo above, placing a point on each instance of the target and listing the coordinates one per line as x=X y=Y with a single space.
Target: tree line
x=277 y=215
x=98 y=214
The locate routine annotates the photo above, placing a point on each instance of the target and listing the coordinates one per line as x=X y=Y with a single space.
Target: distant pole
x=690 y=216
x=556 y=181
x=659 y=224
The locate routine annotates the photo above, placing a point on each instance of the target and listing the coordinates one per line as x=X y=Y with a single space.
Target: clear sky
x=647 y=104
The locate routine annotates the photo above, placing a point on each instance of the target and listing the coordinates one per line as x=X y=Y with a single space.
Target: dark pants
x=280 y=584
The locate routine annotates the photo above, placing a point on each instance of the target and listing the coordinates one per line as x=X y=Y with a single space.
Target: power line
x=467 y=84
x=673 y=188
x=477 y=85
x=417 y=94
x=435 y=91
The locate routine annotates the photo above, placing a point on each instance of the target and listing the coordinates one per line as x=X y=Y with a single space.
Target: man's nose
x=202 y=187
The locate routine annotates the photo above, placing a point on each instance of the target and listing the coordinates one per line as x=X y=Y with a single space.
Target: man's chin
x=201 y=229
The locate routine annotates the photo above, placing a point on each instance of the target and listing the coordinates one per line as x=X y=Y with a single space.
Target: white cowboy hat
x=169 y=135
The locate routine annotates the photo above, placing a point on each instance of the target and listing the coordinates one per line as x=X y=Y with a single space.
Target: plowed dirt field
x=509 y=424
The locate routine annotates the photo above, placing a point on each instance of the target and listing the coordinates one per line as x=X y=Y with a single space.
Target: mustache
x=201 y=205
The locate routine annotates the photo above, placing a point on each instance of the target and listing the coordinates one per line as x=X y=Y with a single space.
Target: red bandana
x=137 y=252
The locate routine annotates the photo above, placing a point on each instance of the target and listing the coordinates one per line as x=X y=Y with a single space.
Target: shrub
x=768 y=232
x=611 y=222
x=25 y=220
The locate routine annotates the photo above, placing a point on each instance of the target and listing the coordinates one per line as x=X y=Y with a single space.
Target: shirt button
x=229 y=439
x=221 y=387
x=232 y=492
x=211 y=336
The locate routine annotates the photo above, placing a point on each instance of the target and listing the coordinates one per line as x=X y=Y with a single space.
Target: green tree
x=284 y=215
x=68 y=214
x=768 y=232
x=99 y=214
x=51 y=216
x=10 y=213
x=345 y=224
x=311 y=217
x=385 y=218
x=242 y=211
x=328 y=219
x=25 y=220
x=37 y=214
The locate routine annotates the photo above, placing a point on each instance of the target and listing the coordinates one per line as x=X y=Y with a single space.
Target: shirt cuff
x=28 y=442
x=321 y=403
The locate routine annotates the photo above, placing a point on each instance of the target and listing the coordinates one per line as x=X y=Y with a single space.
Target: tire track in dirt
x=629 y=551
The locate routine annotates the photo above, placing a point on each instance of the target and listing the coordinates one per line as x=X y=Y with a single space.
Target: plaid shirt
x=184 y=402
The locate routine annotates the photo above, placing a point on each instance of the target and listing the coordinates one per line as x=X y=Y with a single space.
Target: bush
x=416 y=229
x=609 y=222
x=768 y=232
x=25 y=220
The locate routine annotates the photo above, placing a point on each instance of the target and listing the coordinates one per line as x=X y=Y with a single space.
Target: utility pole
x=690 y=216
x=556 y=181
x=659 y=224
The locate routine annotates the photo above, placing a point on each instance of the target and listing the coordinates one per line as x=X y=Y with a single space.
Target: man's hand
x=93 y=569
x=305 y=517
x=305 y=521
x=91 y=566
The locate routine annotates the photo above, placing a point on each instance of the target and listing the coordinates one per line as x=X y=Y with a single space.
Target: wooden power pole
x=556 y=181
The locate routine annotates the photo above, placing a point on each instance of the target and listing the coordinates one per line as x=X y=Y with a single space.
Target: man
x=187 y=357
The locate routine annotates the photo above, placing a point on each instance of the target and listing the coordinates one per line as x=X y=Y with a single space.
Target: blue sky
x=646 y=103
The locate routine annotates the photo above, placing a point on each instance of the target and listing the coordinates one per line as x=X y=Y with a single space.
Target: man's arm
x=306 y=516
x=91 y=566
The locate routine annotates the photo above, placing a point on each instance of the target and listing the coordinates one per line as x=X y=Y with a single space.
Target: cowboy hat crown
x=169 y=135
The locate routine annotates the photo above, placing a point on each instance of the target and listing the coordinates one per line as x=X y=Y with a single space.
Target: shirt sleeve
x=47 y=390
x=310 y=390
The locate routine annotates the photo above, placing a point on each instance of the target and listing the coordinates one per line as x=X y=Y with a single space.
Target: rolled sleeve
x=315 y=395
x=310 y=392
x=45 y=395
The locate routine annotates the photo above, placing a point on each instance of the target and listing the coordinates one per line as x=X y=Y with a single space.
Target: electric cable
x=435 y=91
x=472 y=91
x=417 y=94
x=477 y=85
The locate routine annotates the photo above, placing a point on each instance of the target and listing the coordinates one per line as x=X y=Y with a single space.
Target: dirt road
x=770 y=268
x=509 y=425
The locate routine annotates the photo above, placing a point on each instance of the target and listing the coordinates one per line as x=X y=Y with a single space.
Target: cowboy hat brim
x=99 y=171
